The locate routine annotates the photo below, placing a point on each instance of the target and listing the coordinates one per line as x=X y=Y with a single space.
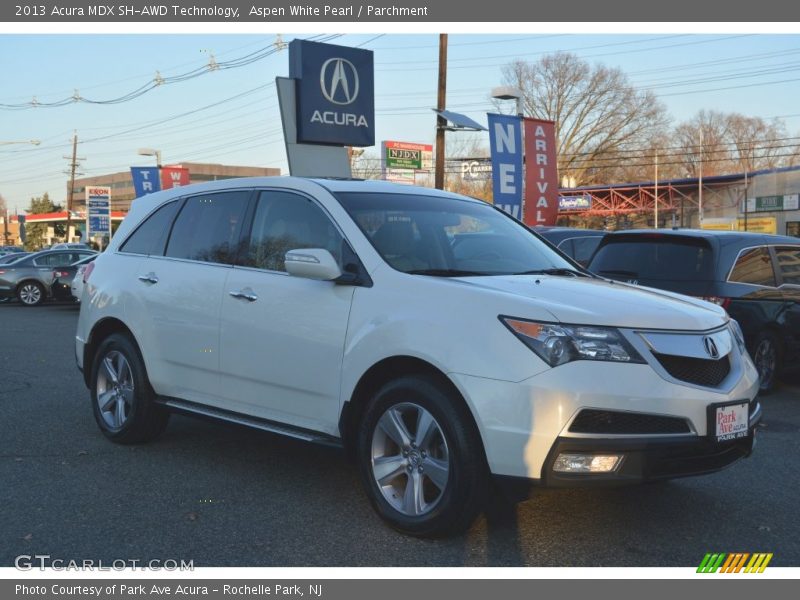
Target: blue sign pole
x=505 y=139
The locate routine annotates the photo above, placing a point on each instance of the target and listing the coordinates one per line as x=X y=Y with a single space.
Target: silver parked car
x=29 y=278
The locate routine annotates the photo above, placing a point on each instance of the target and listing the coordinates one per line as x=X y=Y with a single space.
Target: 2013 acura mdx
x=435 y=337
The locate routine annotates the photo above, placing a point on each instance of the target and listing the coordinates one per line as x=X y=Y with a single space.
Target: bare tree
x=731 y=142
x=602 y=121
x=757 y=144
x=703 y=139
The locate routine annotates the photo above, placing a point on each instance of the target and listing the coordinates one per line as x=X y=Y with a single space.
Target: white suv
x=436 y=338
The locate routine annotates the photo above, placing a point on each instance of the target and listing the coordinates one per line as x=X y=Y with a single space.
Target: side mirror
x=312 y=263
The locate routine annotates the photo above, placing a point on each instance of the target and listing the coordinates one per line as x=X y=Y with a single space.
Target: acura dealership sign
x=335 y=93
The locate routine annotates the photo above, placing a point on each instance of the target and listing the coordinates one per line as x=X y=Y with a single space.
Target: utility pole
x=73 y=166
x=656 y=193
x=700 y=182
x=441 y=122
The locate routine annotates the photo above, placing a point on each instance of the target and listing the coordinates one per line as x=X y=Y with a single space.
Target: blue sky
x=759 y=75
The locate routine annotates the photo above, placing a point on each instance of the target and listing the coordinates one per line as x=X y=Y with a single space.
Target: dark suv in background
x=755 y=277
x=578 y=244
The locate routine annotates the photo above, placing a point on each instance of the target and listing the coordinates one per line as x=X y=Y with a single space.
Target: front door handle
x=245 y=294
x=149 y=278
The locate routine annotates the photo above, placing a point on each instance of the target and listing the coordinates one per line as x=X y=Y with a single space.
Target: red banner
x=174 y=177
x=541 y=173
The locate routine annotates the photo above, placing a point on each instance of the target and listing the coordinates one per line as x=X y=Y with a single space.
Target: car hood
x=585 y=301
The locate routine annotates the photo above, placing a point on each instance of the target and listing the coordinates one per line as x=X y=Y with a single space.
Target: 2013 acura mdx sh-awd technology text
x=435 y=337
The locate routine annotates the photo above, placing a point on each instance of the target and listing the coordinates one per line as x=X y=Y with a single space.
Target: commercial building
x=716 y=202
x=121 y=183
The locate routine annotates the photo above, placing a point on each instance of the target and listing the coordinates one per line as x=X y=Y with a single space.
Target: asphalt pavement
x=222 y=495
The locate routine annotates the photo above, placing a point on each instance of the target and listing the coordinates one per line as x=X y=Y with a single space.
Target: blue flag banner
x=145 y=180
x=505 y=139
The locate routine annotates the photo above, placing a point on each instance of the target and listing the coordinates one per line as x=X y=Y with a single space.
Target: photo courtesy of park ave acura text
x=392 y=297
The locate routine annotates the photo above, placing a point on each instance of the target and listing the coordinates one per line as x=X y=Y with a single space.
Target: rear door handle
x=149 y=278
x=245 y=294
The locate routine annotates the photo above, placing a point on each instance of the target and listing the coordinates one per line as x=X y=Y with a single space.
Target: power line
x=159 y=80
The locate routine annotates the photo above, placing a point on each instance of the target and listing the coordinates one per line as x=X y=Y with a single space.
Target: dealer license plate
x=731 y=421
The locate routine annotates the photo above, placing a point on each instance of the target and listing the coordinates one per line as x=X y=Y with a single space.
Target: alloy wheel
x=115 y=389
x=30 y=294
x=410 y=459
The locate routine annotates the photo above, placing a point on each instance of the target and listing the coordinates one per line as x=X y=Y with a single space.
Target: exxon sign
x=335 y=92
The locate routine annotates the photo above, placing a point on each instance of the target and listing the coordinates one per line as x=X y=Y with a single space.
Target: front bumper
x=522 y=422
x=643 y=460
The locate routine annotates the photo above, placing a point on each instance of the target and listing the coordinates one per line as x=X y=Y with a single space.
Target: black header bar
x=399 y=11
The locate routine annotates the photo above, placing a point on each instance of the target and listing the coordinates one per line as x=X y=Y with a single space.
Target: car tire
x=123 y=401
x=31 y=293
x=767 y=359
x=446 y=468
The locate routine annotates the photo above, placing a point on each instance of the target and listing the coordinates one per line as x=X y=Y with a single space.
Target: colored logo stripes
x=735 y=562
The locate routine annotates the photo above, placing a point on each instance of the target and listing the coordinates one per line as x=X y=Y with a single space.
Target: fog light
x=586 y=463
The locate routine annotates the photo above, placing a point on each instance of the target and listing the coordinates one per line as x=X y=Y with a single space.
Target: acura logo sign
x=338 y=79
x=711 y=347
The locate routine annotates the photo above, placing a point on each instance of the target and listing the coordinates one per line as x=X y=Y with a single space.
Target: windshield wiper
x=633 y=274
x=444 y=272
x=555 y=271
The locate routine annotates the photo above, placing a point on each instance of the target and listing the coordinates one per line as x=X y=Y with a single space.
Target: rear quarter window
x=753 y=266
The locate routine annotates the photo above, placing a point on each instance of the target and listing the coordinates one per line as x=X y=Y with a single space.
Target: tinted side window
x=789 y=264
x=284 y=221
x=754 y=266
x=150 y=236
x=208 y=227
x=57 y=259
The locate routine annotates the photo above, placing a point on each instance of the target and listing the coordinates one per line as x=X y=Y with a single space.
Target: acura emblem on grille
x=711 y=347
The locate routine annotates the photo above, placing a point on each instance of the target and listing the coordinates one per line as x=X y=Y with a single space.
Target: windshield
x=448 y=235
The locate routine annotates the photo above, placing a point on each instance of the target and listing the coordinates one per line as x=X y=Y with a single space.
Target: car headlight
x=736 y=329
x=558 y=344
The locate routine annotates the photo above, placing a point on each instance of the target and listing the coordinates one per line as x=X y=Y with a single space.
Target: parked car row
x=35 y=277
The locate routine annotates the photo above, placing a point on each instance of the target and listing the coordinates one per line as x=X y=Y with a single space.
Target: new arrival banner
x=505 y=140
x=541 y=173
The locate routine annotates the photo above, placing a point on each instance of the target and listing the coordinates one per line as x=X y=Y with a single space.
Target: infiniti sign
x=339 y=75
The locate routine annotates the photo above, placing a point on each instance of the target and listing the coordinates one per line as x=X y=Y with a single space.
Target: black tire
x=144 y=420
x=463 y=496
x=767 y=357
x=31 y=293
